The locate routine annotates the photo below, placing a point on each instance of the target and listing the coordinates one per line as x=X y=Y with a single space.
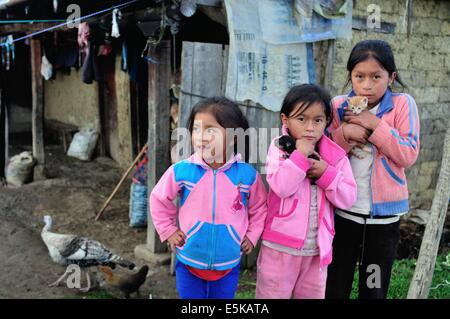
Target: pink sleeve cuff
x=168 y=233
x=327 y=177
x=252 y=239
x=300 y=160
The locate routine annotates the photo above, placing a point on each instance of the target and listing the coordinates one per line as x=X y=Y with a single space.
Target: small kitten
x=357 y=104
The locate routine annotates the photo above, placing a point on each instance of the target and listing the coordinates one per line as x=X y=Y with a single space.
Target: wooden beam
x=26 y=27
x=3 y=140
x=423 y=274
x=37 y=119
x=158 y=128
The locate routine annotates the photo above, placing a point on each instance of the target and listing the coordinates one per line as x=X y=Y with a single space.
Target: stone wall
x=423 y=60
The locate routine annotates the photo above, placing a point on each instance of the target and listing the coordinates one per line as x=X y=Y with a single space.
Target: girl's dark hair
x=377 y=49
x=307 y=94
x=226 y=112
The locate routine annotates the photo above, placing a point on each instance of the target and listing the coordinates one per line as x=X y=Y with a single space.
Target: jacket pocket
x=196 y=250
x=291 y=209
x=288 y=223
x=328 y=227
x=286 y=207
x=234 y=235
x=228 y=245
x=391 y=172
x=194 y=229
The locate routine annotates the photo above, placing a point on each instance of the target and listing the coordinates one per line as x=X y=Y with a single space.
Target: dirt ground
x=72 y=195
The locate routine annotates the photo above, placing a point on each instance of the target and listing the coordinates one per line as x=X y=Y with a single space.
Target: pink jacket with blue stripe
x=395 y=144
x=217 y=209
x=290 y=191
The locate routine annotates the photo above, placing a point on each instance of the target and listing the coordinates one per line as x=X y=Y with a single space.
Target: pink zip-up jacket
x=290 y=196
x=396 y=146
x=217 y=209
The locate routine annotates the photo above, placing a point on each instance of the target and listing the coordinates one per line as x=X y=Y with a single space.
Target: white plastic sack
x=19 y=169
x=83 y=144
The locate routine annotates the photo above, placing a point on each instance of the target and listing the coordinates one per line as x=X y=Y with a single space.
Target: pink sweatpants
x=284 y=276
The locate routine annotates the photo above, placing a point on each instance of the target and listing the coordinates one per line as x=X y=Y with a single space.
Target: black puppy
x=287 y=143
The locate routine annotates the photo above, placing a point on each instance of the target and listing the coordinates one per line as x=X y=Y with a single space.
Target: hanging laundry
x=124 y=64
x=132 y=62
x=11 y=46
x=83 y=37
x=46 y=68
x=90 y=70
x=67 y=56
x=105 y=48
x=7 y=51
x=116 y=15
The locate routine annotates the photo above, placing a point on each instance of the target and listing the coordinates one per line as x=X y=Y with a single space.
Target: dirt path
x=71 y=196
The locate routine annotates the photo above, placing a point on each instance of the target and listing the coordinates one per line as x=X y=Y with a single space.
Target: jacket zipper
x=370 y=180
x=213 y=232
x=282 y=207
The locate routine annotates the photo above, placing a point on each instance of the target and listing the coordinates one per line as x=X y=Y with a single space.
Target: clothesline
x=73 y=21
x=31 y=21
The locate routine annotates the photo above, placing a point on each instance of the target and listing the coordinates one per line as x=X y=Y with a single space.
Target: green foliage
x=402 y=272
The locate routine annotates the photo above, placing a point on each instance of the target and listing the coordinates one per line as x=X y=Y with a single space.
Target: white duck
x=66 y=250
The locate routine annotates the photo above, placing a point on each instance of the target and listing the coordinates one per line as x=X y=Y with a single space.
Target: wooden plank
x=223 y=84
x=185 y=105
x=202 y=74
x=37 y=114
x=423 y=274
x=28 y=27
x=3 y=140
x=159 y=128
x=207 y=70
x=331 y=54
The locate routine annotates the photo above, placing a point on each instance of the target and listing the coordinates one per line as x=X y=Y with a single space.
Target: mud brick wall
x=421 y=45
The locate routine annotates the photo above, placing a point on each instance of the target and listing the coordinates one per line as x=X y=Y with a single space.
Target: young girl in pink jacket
x=308 y=175
x=368 y=232
x=222 y=204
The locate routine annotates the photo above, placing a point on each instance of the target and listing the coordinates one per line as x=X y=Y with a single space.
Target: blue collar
x=385 y=105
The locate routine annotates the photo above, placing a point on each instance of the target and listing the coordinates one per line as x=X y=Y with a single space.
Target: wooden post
x=3 y=139
x=158 y=129
x=423 y=274
x=37 y=119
